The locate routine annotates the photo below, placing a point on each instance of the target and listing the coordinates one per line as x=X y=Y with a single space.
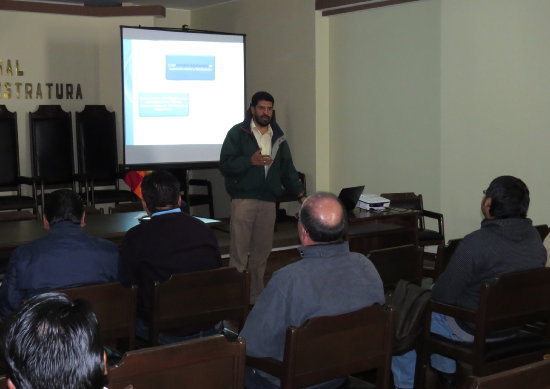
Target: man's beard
x=262 y=120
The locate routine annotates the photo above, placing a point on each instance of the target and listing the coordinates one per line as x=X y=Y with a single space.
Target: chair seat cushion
x=16 y=202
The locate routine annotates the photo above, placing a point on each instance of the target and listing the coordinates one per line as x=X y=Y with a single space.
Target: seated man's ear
x=105 y=367
x=10 y=384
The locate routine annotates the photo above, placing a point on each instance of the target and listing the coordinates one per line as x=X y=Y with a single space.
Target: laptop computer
x=350 y=196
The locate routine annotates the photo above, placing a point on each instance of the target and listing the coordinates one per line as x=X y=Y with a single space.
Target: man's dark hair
x=318 y=231
x=509 y=197
x=63 y=205
x=160 y=190
x=261 y=96
x=52 y=342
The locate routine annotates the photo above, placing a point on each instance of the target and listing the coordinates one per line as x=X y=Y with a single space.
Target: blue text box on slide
x=163 y=104
x=191 y=67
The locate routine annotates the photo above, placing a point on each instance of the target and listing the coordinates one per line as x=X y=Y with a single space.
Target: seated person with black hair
x=171 y=242
x=506 y=242
x=65 y=257
x=52 y=342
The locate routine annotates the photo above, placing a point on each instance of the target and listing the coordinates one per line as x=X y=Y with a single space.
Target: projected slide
x=182 y=92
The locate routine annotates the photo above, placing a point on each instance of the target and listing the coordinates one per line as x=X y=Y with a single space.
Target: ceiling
x=180 y=4
x=177 y=4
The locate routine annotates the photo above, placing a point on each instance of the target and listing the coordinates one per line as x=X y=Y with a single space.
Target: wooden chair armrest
x=437 y=216
x=453 y=311
x=432 y=214
x=269 y=365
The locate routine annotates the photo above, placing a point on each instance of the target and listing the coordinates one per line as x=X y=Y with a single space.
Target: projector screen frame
x=207 y=164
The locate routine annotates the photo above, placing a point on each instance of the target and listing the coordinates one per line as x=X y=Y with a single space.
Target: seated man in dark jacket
x=171 y=242
x=506 y=242
x=65 y=257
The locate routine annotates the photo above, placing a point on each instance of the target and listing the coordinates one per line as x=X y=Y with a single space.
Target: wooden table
x=112 y=227
x=370 y=230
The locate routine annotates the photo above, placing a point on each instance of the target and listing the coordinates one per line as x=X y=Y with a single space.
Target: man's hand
x=258 y=159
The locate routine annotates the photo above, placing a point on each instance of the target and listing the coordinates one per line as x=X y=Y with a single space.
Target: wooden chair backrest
x=205 y=363
x=398 y=263
x=330 y=347
x=97 y=143
x=511 y=300
x=533 y=376
x=52 y=145
x=9 y=150
x=200 y=297
x=514 y=299
x=406 y=200
x=114 y=306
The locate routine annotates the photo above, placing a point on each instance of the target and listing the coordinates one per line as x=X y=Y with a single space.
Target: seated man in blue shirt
x=65 y=257
x=329 y=280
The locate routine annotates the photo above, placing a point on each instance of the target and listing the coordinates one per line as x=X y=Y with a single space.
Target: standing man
x=255 y=160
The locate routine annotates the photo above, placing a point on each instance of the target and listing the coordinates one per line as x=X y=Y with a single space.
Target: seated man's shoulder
x=105 y=245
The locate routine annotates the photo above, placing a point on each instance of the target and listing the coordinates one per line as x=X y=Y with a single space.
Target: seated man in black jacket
x=506 y=242
x=171 y=242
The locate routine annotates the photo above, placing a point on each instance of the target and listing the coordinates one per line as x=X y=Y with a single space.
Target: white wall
x=495 y=88
x=384 y=100
x=439 y=97
x=280 y=38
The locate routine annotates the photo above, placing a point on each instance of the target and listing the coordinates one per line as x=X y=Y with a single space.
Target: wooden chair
x=542 y=230
x=52 y=149
x=206 y=363
x=114 y=306
x=200 y=297
x=98 y=156
x=398 y=263
x=533 y=376
x=509 y=301
x=409 y=200
x=195 y=199
x=330 y=347
x=10 y=178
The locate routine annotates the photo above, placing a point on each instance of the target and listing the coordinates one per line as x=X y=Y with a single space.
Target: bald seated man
x=329 y=280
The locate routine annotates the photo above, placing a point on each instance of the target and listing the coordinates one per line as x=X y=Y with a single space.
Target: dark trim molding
x=334 y=7
x=82 y=10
